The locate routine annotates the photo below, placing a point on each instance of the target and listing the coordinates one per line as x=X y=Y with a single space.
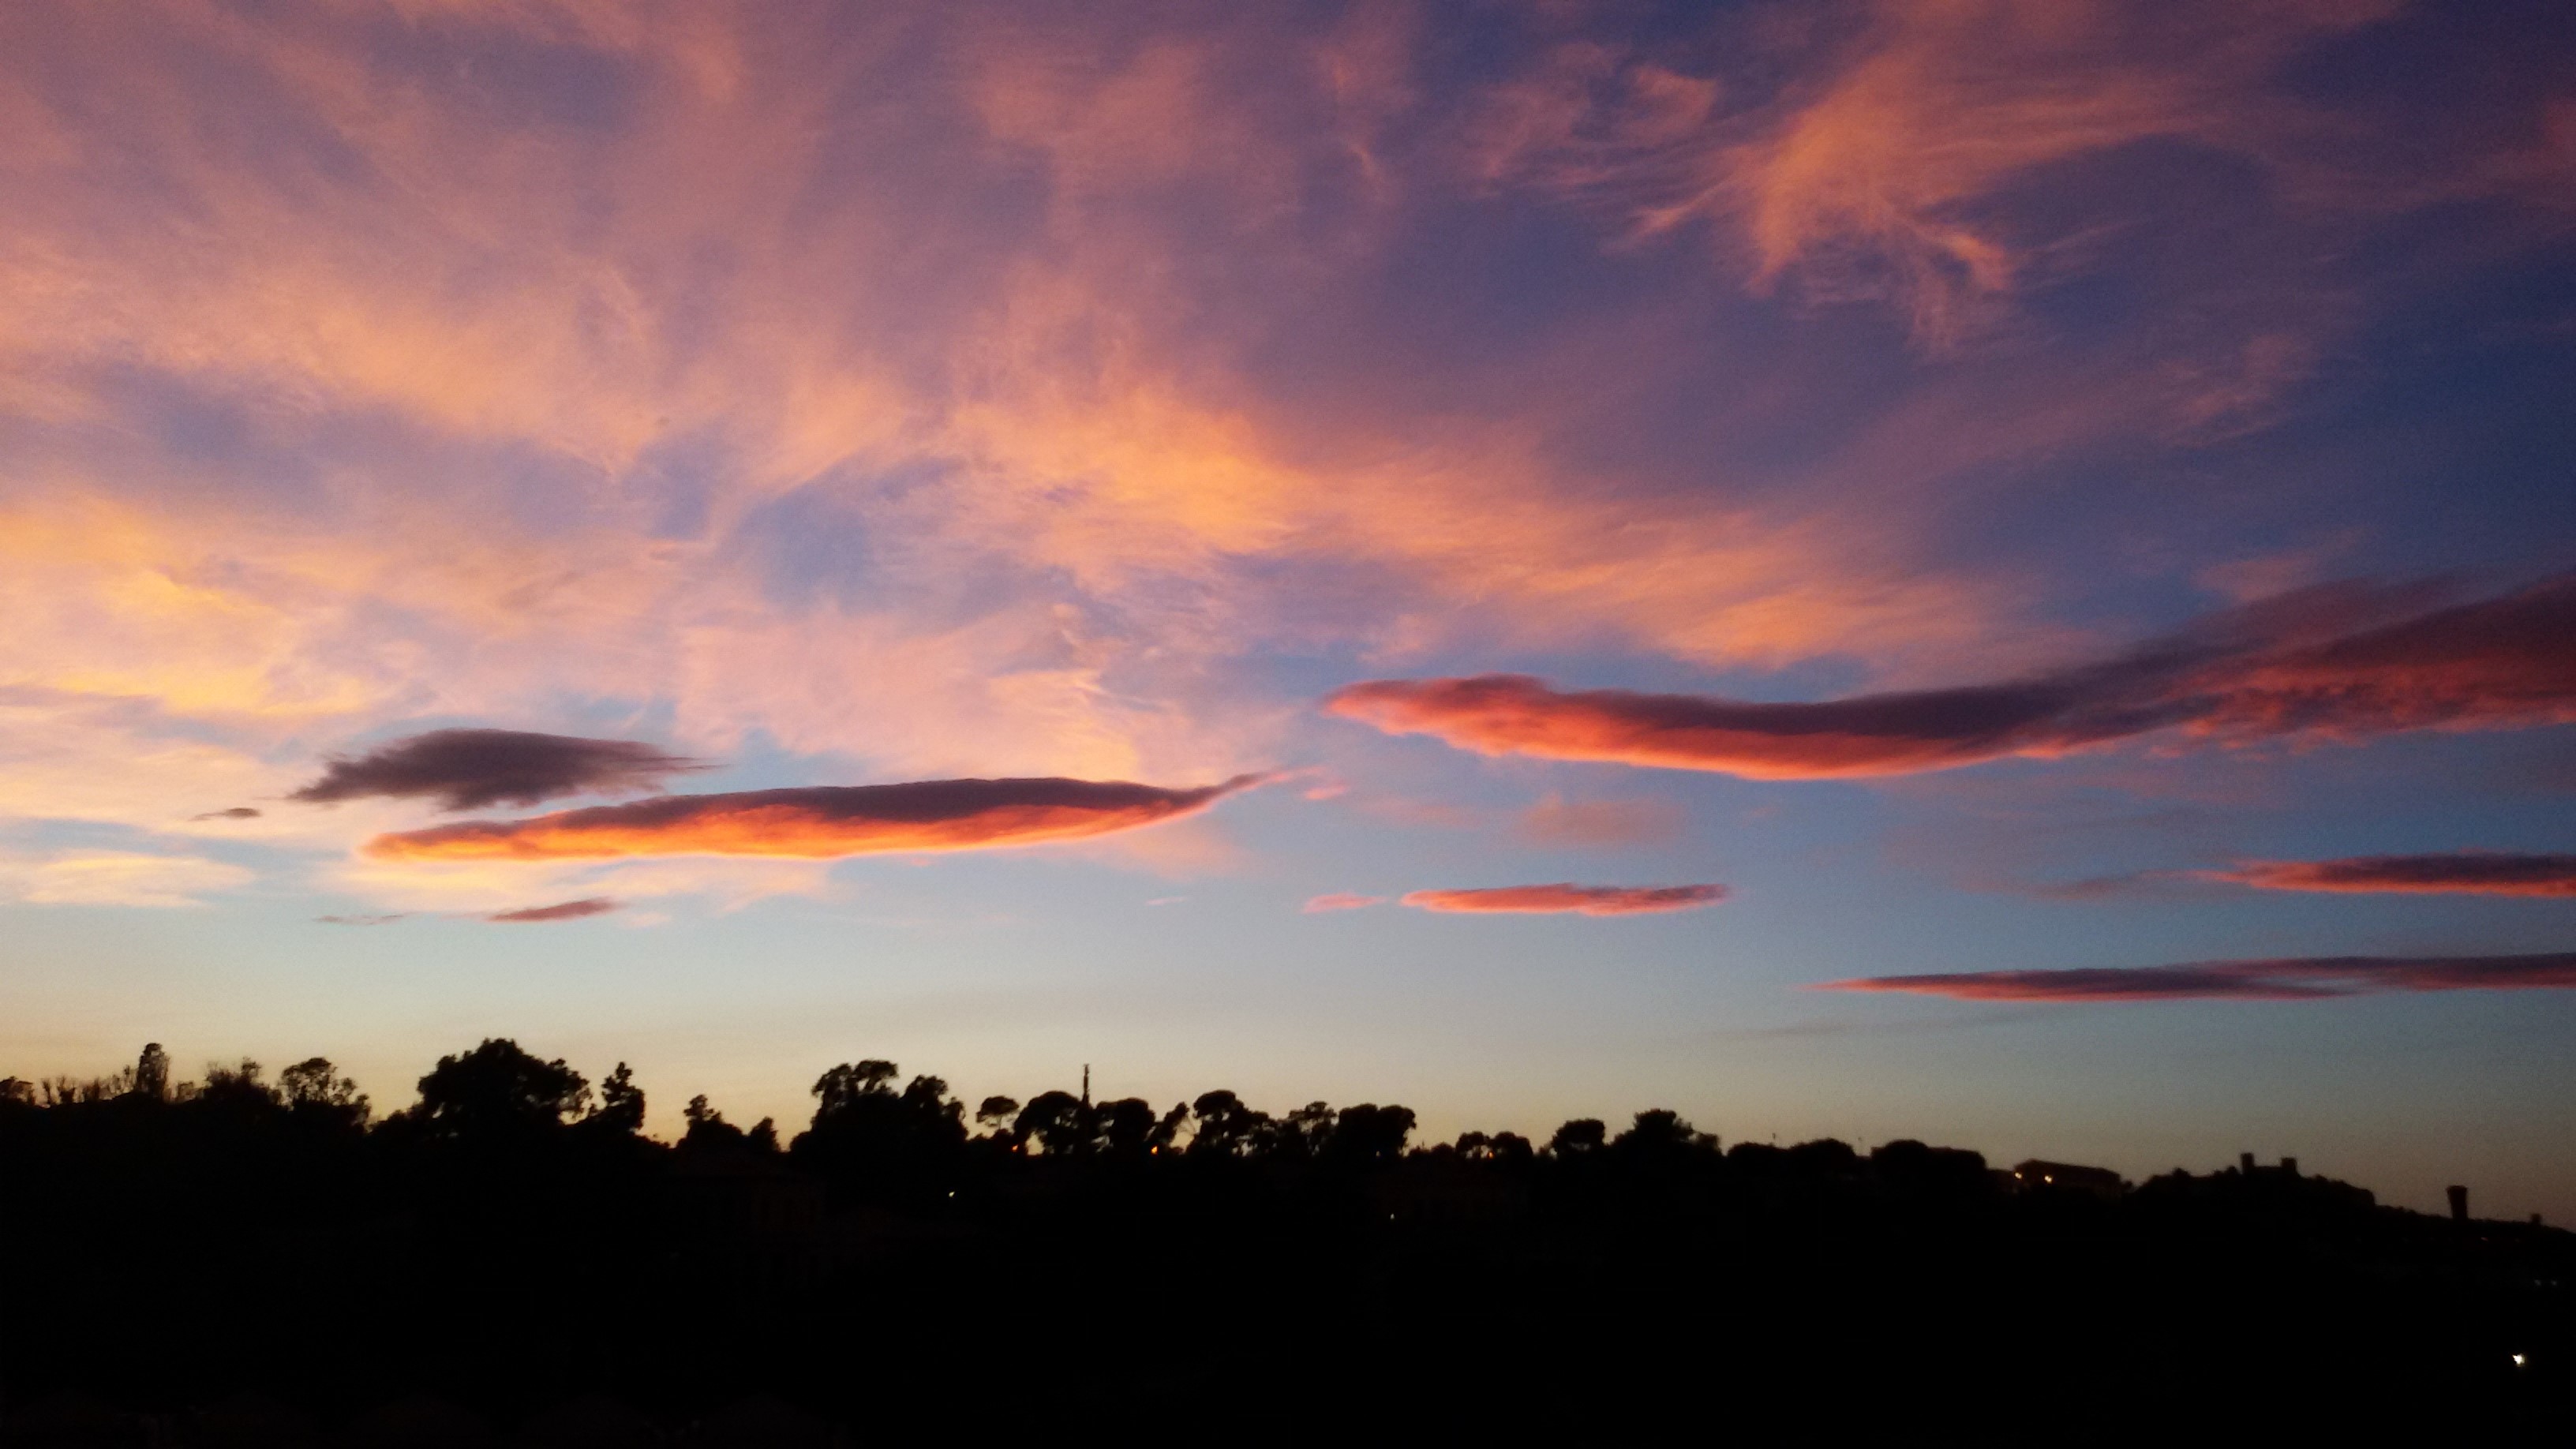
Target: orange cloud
x=818 y=822
x=1498 y=714
x=2471 y=872
x=2255 y=673
x=461 y=309
x=1341 y=901
x=2282 y=979
x=1568 y=898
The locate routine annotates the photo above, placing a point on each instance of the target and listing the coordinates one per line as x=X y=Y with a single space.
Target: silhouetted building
x=2038 y=1176
x=2459 y=1203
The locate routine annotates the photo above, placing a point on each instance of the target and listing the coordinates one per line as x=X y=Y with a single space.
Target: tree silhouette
x=1060 y=1123
x=1368 y=1134
x=994 y=1114
x=621 y=1104
x=1658 y=1133
x=1123 y=1129
x=869 y=1140
x=1226 y=1127
x=497 y=1092
x=152 y=1072
x=313 y=1085
x=1301 y=1134
x=920 y=1282
x=1578 y=1138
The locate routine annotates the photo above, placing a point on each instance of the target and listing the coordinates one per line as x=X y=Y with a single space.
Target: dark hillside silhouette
x=509 y=1260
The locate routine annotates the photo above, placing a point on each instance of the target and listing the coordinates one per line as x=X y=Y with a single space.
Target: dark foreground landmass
x=509 y=1261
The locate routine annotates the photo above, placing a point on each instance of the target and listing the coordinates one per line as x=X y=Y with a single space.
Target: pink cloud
x=1566 y=898
x=1341 y=901
x=1866 y=181
x=1557 y=821
x=2269 y=671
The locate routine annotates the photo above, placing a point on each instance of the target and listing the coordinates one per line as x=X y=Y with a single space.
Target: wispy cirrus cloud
x=2293 y=978
x=474 y=769
x=818 y=821
x=118 y=878
x=1340 y=901
x=1875 y=174
x=560 y=911
x=2467 y=872
x=1564 y=898
x=2276 y=670
x=413 y=386
x=1600 y=823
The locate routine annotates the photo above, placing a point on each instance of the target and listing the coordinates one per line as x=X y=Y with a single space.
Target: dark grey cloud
x=468 y=769
x=2292 y=978
x=2466 y=872
x=561 y=911
x=238 y=812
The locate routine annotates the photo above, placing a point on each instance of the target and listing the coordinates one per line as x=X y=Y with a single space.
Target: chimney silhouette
x=2459 y=1203
x=2245 y=1163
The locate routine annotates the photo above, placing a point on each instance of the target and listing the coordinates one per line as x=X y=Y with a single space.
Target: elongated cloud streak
x=818 y=822
x=477 y=769
x=1566 y=898
x=2258 y=673
x=2471 y=872
x=561 y=911
x=2296 y=978
x=1556 y=821
x=118 y=878
x=1341 y=901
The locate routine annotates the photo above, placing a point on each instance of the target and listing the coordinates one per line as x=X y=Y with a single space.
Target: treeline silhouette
x=240 y=1260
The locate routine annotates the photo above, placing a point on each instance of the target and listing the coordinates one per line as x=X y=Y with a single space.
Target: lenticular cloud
x=2322 y=663
x=1565 y=898
x=477 y=769
x=561 y=911
x=2468 y=872
x=818 y=822
x=2296 y=978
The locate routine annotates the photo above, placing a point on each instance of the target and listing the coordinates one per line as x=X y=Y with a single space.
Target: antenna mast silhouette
x=1086 y=1084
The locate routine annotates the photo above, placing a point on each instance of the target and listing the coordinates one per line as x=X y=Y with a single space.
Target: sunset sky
x=1995 y=572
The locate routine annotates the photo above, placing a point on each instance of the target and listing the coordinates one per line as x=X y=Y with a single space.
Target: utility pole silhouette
x=1086 y=1084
